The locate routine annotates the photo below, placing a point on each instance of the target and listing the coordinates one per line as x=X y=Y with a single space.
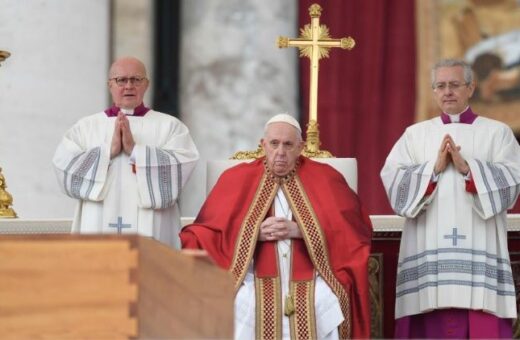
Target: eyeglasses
x=452 y=85
x=121 y=81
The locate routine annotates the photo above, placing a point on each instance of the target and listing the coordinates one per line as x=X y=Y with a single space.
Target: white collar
x=455 y=118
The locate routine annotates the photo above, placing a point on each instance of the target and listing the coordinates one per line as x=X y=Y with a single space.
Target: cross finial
x=315 y=10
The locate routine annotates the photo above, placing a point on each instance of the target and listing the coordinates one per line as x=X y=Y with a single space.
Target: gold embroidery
x=316 y=246
x=268 y=305
x=247 y=238
x=303 y=322
x=282 y=179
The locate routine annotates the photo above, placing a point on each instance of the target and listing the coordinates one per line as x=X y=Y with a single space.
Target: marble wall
x=55 y=75
x=233 y=77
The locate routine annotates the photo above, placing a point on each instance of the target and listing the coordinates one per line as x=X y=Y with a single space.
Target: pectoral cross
x=314 y=43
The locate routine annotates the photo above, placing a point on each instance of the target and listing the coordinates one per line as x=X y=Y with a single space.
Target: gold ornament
x=6 y=200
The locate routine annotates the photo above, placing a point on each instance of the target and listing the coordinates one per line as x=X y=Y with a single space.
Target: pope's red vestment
x=335 y=244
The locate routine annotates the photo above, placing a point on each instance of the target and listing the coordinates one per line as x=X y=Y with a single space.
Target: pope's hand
x=278 y=228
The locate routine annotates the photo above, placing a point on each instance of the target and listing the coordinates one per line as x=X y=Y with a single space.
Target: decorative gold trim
x=281 y=179
x=306 y=34
x=317 y=246
x=247 y=238
x=269 y=308
x=282 y=42
x=312 y=144
x=348 y=43
x=303 y=321
x=258 y=153
x=315 y=11
x=6 y=200
x=375 y=288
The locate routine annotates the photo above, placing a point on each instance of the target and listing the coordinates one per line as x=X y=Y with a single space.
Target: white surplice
x=326 y=304
x=114 y=199
x=454 y=243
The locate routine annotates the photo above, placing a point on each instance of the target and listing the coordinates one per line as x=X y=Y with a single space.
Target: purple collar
x=139 y=111
x=466 y=117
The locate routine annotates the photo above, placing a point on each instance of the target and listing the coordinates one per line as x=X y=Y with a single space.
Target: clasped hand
x=449 y=152
x=122 y=139
x=278 y=228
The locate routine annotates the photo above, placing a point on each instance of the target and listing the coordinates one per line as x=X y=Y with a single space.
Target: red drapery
x=366 y=96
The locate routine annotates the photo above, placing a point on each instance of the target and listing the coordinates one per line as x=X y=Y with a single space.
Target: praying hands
x=278 y=228
x=450 y=152
x=122 y=140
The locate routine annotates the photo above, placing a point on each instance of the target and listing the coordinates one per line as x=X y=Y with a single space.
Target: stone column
x=132 y=34
x=233 y=77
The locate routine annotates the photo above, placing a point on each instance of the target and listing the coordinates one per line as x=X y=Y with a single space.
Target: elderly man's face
x=129 y=93
x=282 y=145
x=451 y=91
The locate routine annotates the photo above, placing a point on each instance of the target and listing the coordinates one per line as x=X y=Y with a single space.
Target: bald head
x=126 y=62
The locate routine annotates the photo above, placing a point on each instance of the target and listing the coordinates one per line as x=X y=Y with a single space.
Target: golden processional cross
x=314 y=43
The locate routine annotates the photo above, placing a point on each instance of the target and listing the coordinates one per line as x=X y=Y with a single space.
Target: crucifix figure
x=314 y=43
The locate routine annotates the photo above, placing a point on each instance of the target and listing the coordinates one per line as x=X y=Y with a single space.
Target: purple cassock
x=454 y=323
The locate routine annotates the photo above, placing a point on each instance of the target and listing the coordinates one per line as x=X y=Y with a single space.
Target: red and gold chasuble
x=336 y=243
